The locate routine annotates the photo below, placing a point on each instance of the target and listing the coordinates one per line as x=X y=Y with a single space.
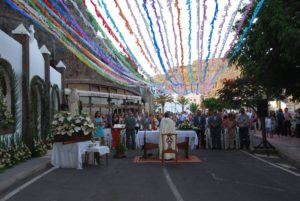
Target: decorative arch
x=55 y=100
x=37 y=116
x=8 y=87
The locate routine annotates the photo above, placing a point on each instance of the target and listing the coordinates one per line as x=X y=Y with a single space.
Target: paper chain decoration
x=152 y=24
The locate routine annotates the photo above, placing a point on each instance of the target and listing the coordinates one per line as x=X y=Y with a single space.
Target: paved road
x=223 y=175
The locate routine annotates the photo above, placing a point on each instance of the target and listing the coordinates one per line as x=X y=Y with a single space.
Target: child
x=268 y=125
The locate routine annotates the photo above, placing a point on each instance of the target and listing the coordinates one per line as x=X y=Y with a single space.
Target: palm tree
x=162 y=100
x=182 y=100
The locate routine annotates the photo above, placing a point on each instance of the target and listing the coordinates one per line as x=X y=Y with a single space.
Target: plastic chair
x=169 y=146
x=208 y=139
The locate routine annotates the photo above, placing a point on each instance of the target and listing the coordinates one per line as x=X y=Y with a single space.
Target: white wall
x=11 y=50
x=36 y=60
x=55 y=77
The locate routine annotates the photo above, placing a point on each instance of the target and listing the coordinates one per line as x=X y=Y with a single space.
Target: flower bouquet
x=185 y=126
x=69 y=129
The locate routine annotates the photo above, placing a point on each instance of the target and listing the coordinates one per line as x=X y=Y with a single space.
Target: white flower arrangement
x=40 y=148
x=13 y=152
x=65 y=124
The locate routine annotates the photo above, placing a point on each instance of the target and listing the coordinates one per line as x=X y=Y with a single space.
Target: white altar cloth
x=70 y=155
x=153 y=137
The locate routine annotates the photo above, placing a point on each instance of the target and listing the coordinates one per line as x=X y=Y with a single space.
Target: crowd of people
x=279 y=123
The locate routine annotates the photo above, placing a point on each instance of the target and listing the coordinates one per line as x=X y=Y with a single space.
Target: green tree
x=162 y=100
x=270 y=51
x=182 y=100
x=240 y=92
x=193 y=108
x=212 y=104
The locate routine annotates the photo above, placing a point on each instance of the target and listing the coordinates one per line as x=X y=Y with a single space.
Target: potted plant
x=185 y=126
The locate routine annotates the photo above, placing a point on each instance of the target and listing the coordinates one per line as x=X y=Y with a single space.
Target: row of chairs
x=224 y=143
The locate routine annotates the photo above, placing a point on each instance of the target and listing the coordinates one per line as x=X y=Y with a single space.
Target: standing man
x=146 y=121
x=287 y=122
x=243 y=123
x=280 y=122
x=297 y=117
x=199 y=122
x=130 y=123
x=215 y=124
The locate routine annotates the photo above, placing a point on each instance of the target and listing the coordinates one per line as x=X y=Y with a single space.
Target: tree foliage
x=240 y=92
x=212 y=104
x=162 y=100
x=182 y=100
x=270 y=51
x=193 y=108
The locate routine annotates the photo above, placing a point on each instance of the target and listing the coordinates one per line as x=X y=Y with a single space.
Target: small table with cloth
x=70 y=155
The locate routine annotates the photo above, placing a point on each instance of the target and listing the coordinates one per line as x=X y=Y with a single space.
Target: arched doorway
x=7 y=90
x=37 y=116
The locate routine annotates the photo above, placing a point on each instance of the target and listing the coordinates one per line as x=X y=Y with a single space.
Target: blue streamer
x=122 y=38
x=256 y=11
x=96 y=49
x=246 y=30
x=210 y=37
x=188 y=3
x=100 y=52
x=155 y=41
x=15 y=7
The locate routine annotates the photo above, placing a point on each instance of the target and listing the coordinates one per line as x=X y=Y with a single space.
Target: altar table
x=185 y=139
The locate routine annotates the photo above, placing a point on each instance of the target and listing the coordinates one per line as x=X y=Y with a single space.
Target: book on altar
x=119 y=126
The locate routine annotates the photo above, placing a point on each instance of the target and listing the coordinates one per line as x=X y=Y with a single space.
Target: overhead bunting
x=151 y=44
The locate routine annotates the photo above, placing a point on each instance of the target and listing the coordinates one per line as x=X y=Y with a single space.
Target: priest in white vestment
x=167 y=125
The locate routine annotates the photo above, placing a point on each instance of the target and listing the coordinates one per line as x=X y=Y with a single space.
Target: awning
x=103 y=95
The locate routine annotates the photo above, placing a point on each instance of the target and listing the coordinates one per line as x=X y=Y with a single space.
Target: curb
x=17 y=173
x=284 y=155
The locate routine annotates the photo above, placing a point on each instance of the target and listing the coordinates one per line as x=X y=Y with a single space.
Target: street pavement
x=222 y=175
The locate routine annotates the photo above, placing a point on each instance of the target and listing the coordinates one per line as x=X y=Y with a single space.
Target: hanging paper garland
x=221 y=28
x=156 y=70
x=127 y=25
x=121 y=36
x=210 y=37
x=155 y=42
x=202 y=39
x=188 y=2
x=165 y=31
x=229 y=28
x=245 y=14
x=180 y=39
x=162 y=40
x=169 y=3
x=198 y=46
x=246 y=30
